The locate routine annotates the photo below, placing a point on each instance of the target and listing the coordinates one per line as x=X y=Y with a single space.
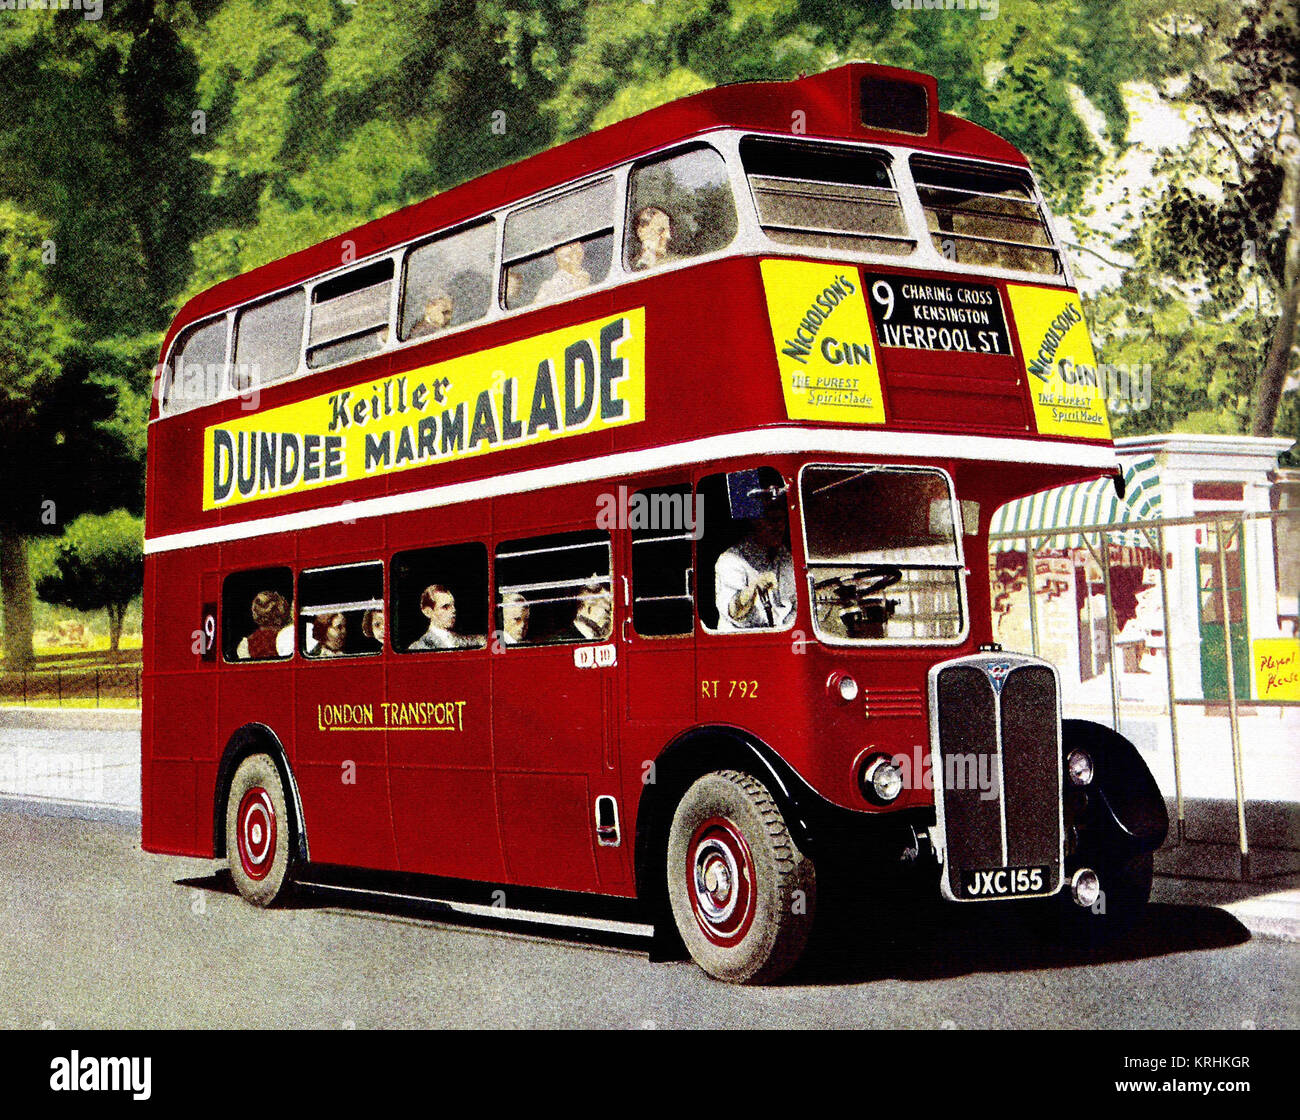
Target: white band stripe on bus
x=762 y=441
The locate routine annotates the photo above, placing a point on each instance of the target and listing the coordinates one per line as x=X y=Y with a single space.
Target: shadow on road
x=941 y=942
x=923 y=941
x=388 y=906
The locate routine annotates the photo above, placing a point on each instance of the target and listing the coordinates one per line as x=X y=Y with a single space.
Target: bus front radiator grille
x=995 y=731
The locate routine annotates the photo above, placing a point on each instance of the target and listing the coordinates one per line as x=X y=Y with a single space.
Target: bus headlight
x=843 y=686
x=1078 y=765
x=881 y=779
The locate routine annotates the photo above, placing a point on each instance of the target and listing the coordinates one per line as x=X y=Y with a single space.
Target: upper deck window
x=198 y=368
x=349 y=314
x=825 y=197
x=561 y=246
x=448 y=281
x=268 y=340
x=986 y=216
x=679 y=206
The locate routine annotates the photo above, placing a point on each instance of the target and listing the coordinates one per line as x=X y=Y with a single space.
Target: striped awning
x=1078 y=506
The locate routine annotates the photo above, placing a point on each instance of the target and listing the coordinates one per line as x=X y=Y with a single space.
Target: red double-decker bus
x=616 y=525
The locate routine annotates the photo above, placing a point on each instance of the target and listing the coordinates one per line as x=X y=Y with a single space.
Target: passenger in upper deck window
x=270 y=611
x=654 y=231
x=438 y=310
x=569 y=275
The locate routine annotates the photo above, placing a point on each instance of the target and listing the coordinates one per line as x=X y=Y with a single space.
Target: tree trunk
x=1277 y=365
x=116 y=615
x=16 y=590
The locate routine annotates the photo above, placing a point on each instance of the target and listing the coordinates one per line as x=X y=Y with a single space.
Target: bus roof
x=829 y=103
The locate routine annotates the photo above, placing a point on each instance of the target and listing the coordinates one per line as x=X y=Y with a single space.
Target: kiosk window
x=663 y=522
x=555 y=589
x=342 y=611
x=440 y=598
x=257 y=615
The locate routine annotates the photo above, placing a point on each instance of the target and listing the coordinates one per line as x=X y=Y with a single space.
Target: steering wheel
x=866 y=581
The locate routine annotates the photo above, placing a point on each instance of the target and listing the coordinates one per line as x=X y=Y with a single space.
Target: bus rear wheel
x=741 y=891
x=258 y=839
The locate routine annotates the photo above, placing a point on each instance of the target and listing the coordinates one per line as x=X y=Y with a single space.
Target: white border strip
x=760 y=441
x=500 y=913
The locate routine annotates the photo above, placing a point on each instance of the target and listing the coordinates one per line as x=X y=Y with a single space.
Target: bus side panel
x=181 y=705
x=342 y=772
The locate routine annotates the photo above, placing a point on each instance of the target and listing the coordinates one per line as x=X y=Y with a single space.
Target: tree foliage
x=98 y=564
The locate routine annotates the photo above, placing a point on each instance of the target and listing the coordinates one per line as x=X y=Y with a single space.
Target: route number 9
x=883 y=294
x=209 y=637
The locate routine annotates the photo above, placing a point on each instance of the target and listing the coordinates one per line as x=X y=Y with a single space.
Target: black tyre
x=258 y=831
x=741 y=891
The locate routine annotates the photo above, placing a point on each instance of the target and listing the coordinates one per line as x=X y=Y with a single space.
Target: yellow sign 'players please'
x=823 y=342
x=1064 y=383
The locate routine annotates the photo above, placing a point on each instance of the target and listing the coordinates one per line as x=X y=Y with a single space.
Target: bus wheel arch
x=252 y=739
x=686 y=759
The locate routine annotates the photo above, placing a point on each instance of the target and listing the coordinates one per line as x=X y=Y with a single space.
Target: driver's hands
x=765 y=582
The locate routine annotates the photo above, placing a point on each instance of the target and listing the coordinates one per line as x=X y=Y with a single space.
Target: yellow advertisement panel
x=569 y=382
x=822 y=335
x=1062 y=369
x=1277 y=668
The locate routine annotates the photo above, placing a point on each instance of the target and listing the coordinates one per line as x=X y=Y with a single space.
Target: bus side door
x=554 y=698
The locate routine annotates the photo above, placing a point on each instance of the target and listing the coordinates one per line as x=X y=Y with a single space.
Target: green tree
x=101 y=194
x=98 y=565
x=1208 y=292
x=33 y=337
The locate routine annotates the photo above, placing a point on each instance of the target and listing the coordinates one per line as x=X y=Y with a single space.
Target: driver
x=754 y=580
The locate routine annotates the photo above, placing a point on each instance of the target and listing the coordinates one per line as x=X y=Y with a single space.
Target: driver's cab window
x=747 y=579
x=884 y=562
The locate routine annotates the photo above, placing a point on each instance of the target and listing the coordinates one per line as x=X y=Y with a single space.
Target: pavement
x=51 y=766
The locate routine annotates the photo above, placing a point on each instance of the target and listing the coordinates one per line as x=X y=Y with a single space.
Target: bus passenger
x=372 y=626
x=594 y=610
x=569 y=275
x=271 y=612
x=514 y=618
x=438 y=309
x=654 y=230
x=754 y=580
x=332 y=634
x=438 y=605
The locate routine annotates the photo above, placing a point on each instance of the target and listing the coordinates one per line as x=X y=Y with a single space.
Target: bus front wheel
x=258 y=840
x=741 y=891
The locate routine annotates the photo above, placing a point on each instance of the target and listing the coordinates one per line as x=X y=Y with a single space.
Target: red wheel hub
x=256 y=833
x=720 y=881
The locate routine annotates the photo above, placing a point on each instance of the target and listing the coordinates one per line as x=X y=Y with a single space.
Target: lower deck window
x=342 y=611
x=555 y=589
x=257 y=615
